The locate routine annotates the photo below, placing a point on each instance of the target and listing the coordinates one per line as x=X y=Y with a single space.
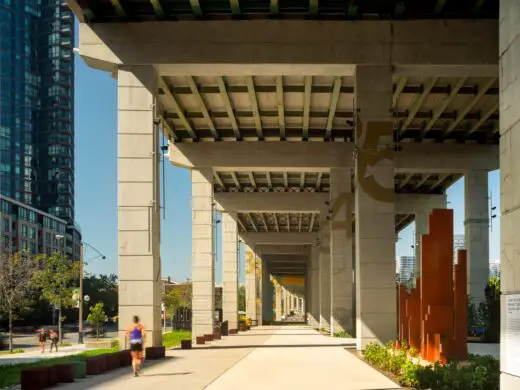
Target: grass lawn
x=10 y=374
x=171 y=339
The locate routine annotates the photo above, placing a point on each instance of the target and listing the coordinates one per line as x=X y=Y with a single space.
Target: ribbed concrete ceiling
x=279 y=222
x=254 y=181
x=99 y=11
x=295 y=222
x=320 y=108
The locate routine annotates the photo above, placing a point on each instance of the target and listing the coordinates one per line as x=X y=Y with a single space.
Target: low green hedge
x=480 y=373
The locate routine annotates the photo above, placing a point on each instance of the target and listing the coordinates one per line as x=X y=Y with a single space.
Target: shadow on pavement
x=274 y=334
x=169 y=374
x=350 y=345
x=99 y=380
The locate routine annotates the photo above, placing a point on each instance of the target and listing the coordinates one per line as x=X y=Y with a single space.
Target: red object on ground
x=94 y=365
x=53 y=375
x=125 y=359
x=200 y=340
x=153 y=353
x=208 y=337
x=35 y=378
x=113 y=361
x=65 y=373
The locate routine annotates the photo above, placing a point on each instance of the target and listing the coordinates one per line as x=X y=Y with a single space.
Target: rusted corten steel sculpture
x=433 y=315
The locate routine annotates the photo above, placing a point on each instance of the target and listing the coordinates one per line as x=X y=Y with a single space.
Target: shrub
x=481 y=372
x=343 y=333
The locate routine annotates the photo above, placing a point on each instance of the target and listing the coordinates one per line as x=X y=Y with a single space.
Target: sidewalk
x=283 y=357
x=36 y=355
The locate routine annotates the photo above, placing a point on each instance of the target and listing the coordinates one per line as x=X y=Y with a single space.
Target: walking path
x=287 y=357
x=35 y=355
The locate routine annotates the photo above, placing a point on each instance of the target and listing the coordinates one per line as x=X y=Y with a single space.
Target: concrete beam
x=296 y=47
x=314 y=201
x=312 y=156
x=279 y=238
x=272 y=201
x=285 y=258
x=417 y=203
x=267 y=249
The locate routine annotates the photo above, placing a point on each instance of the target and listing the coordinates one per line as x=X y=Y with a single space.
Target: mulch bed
x=389 y=375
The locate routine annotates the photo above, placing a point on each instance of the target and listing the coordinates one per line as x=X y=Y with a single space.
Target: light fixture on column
x=491 y=213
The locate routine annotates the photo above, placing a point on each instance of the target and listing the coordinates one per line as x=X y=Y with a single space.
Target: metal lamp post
x=82 y=298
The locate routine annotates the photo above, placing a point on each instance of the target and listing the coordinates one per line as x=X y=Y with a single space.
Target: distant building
x=494 y=270
x=406 y=268
x=459 y=242
x=25 y=228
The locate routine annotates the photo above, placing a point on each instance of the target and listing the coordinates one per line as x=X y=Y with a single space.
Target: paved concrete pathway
x=294 y=357
x=35 y=355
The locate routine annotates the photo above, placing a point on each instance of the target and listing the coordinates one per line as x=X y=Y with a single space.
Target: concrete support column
x=203 y=265
x=259 y=276
x=250 y=283
x=341 y=250
x=267 y=295
x=325 y=277
x=314 y=288
x=278 y=302
x=376 y=306
x=476 y=225
x=230 y=271
x=138 y=202
x=509 y=54
x=285 y=302
x=421 y=228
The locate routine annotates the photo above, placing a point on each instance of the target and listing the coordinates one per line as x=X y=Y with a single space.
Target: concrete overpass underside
x=318 y=129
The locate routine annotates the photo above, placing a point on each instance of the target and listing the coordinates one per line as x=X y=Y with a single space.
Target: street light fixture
x=82 y=298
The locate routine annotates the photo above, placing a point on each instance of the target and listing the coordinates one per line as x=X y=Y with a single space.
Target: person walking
x=42 y=339
x=135 y=334
x=55 y=338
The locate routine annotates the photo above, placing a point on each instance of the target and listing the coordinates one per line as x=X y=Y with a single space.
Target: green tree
x=97 y=317
x=489 y=310
x=56 y=277
x=242 y=298
x=185 y=292
x=101 y=288
x=178 y=296
x=16 y=272
x=172 y=300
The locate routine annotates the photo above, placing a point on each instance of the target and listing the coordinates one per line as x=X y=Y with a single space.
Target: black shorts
x=137 y=347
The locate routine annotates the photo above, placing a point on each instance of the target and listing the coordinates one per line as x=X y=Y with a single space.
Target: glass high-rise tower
x=37 y=106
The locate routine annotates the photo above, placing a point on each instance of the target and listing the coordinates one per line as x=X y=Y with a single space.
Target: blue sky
x=96 y=186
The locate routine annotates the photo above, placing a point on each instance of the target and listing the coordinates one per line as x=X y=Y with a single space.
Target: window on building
x=24 y=230
x=32 y=232
x=24 y=245
x=33 y=248
x=5 y=224
x=48 y=238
